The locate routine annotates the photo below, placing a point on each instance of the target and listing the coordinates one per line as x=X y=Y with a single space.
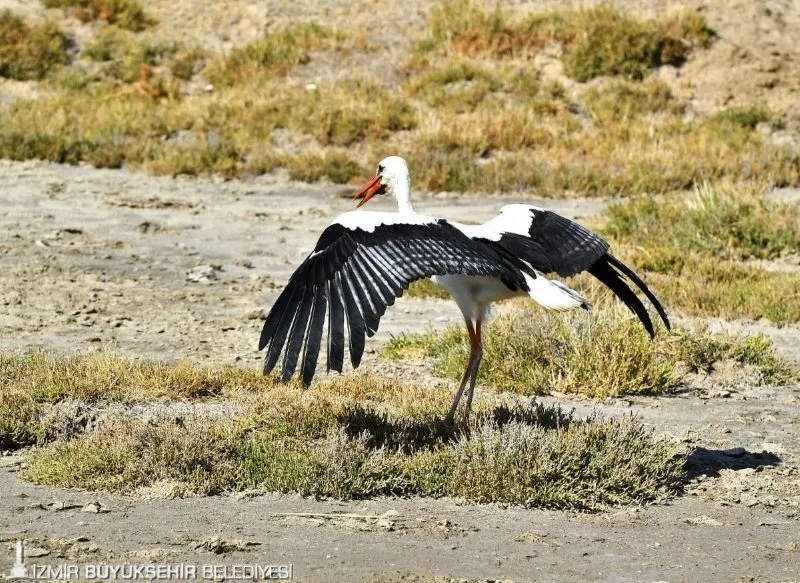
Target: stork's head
x=391 y=178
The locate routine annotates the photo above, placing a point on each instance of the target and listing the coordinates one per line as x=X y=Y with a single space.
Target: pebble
x=34 y=552
x=95 y=507
x=202 y=274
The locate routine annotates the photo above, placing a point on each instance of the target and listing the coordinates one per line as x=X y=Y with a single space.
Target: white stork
x=364 y=260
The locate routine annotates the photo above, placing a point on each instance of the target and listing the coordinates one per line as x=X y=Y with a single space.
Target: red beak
x=369 y=190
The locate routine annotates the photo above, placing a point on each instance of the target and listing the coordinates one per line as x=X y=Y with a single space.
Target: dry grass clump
x=349 y=438
x=103 y=376
x=709 y=287
x=29 y=52
x=724 y=222
x=275 y=53
x=596 y=41
x=694 y=244
x=583 y=465
x=227 y=132
x=604 y=41
x=127 y=14
x=353 y=110
x=743 y=116
x=126 y=57
x=626 y=101
x=601 y=354
x=335 y=165
x=19 y=419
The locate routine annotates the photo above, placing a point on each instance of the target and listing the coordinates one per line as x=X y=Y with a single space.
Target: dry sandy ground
x=91 y=257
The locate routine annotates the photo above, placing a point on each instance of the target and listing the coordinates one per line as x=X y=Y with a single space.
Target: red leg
x=472 y=336
x=477 y=350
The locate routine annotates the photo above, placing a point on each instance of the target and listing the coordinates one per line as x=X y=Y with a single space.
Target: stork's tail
x=554 y=294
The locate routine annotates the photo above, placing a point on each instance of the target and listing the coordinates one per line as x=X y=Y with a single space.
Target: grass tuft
x=596 y=41
x=603 y=41
x=695 y=246
x=29 y=52
x=273 y=54
x=352 y=437
x=19 y=419
x=600 y=354
x=103 y=376
x=127 y=14
x=724 y=222
x=336 y=165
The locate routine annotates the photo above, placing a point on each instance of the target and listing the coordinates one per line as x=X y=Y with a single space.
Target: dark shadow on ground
x=709 y=462
x=409 y=435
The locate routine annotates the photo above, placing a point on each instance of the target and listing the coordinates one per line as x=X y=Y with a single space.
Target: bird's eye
x=380 y=168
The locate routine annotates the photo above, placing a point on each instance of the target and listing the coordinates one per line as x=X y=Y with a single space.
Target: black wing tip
x=627 y=271
x=604 y=271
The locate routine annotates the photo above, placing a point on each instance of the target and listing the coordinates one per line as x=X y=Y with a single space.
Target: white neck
x=402 y=192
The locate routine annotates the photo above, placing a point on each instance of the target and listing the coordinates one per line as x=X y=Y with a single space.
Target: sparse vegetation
x=127 y=58
x=273 y=54
x=693 y=243
x=597 y=41
x=29 y=52
x=705 y=286
x=19 y=419
x=605 y=353
x=336 y=165
x=479 y=119
x=349 y=438
x=724 y=222
x=124 y=13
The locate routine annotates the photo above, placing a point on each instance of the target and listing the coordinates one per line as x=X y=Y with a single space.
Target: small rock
x=220 y=546
x=390 y=513
x=58 y=505
x=34 y=552
x=256 y=314
x=202 y=273
x=95 y=508
x=386 y=524
x=735 y=452
x=704 y=520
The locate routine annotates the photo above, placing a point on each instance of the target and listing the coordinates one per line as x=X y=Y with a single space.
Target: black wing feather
x=314 y=335
x=555 y=244
x=335 y=327
x=640 y=284
x=603 y=271
x=280 y=328
x=355 y=322
x=297 y=334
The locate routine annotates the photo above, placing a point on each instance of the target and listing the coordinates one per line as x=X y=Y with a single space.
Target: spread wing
x=361 y=263
x=551 y=243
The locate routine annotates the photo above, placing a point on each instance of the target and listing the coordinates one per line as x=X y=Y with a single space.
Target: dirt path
x=165 y=269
